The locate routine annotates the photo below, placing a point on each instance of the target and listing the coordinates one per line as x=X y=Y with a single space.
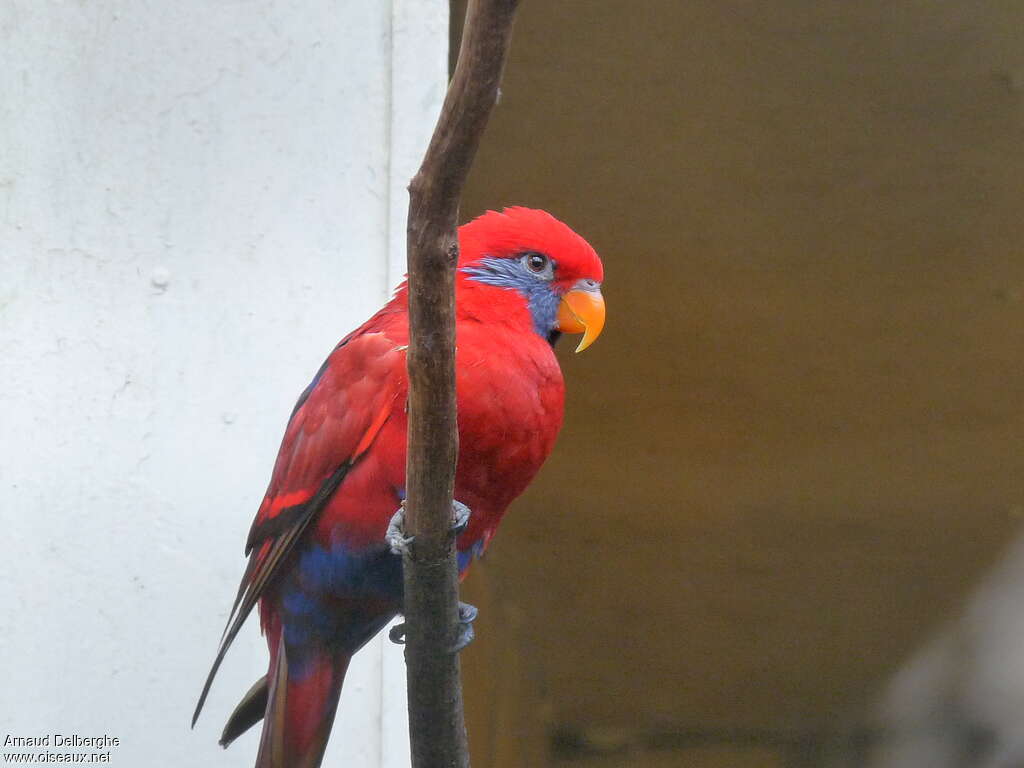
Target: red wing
x=349 y=401
x=334 y=423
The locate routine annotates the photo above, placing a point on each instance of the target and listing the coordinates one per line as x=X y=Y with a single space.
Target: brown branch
x=436 y=727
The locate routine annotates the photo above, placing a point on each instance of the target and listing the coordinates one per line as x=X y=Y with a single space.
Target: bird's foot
x=395 y=535
x=467 y=615
x=462 y=515
x=464 y=636
x=397 y=634
x=400 y=543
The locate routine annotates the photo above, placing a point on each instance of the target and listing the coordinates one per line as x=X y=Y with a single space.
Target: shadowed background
x=795 y=448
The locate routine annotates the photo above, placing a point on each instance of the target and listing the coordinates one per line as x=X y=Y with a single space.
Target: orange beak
x=582 y=311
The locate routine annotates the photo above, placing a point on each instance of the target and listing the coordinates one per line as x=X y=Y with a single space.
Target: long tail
x=302 y=699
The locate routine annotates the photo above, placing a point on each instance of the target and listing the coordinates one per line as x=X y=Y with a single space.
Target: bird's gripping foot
x=397 y=634
x=461 y=522
x=395 y=534
x=467 y=615
x=400 y=543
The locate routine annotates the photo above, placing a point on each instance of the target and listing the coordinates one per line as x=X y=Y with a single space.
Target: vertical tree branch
x=437 y=731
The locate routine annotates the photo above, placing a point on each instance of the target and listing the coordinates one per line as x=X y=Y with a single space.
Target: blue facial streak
x=510 y=273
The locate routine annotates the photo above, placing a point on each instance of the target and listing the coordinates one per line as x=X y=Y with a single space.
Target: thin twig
x=437 y=730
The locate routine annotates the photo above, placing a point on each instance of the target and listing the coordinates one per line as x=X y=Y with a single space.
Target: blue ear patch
x=510 y=273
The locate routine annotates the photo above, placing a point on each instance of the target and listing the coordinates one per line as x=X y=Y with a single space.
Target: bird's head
x=523 y=257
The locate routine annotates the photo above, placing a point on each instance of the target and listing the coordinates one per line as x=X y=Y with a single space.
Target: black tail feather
x=249 y=711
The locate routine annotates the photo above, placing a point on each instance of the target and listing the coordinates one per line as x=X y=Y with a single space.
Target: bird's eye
x=536 y=262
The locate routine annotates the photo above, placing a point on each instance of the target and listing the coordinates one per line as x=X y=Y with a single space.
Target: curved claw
x=462 y=515
x=467 y=613
x=397 y=634
x=395 y=535
x=400 y=543
x=466 y=635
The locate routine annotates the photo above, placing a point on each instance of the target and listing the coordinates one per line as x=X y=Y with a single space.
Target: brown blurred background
x=796 y=447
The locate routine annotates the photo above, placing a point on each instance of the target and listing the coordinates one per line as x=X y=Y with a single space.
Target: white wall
x=198 y=198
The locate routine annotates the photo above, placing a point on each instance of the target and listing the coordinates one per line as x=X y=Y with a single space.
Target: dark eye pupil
x=536 y=262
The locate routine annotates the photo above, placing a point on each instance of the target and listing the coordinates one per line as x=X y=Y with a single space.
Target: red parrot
x=324 y=576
